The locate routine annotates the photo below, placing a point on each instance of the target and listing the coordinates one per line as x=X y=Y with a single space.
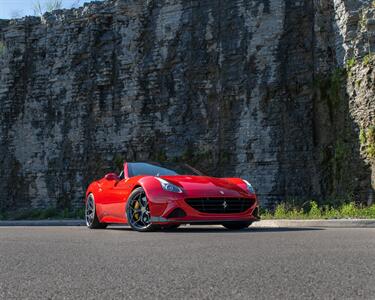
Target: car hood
x=205 y=186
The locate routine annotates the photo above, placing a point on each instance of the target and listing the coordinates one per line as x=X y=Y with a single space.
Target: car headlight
x=249 y=187
x=167 y=186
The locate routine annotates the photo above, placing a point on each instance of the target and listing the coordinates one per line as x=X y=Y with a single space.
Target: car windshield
x=160 y=169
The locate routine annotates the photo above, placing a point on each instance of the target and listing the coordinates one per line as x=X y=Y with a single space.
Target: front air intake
x=177 y=213
x=220 y=205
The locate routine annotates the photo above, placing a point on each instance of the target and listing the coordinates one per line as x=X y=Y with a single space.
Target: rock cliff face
x=257 y=89
x=355 y=47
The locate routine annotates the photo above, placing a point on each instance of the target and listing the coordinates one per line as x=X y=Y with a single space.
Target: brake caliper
x=136 y=206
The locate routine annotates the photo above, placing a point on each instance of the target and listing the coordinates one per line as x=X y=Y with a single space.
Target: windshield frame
x=164 y=165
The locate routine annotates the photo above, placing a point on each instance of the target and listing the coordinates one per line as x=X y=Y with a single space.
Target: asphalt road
x=192 y=262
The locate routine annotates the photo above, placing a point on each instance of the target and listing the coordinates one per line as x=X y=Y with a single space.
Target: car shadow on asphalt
x=196 y=229
x=247 y=230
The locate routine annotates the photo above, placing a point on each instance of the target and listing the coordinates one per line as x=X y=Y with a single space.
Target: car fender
x=92 y=188
x=155 y=194
x=237 y=181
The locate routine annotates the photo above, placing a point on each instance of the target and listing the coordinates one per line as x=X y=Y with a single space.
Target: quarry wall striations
x=258 y=89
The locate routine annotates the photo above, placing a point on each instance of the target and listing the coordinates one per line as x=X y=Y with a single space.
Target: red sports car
x=150 y=196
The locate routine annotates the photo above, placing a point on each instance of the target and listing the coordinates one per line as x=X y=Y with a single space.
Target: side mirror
x=112 y=176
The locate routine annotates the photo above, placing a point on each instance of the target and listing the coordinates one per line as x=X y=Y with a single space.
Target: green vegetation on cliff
x=367 y=140
x=2 y=48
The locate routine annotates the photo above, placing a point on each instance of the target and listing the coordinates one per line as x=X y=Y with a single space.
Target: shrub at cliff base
x=345 y=211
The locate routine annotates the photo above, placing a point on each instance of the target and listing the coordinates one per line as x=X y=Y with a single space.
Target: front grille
x=220 y=205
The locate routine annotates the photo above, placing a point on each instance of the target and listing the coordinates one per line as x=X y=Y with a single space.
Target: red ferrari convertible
x=150 y=196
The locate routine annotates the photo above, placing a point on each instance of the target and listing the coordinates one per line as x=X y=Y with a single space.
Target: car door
x=120 y=194
x=106 y=197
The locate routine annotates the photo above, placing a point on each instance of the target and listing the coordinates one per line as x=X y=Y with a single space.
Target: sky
x=20 y=8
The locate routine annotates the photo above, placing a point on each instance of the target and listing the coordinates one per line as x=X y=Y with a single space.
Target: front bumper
x=161 y=220
x=162 y=209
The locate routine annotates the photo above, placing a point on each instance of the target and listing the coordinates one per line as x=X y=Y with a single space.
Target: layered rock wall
x=229 y=86
x=356 y=31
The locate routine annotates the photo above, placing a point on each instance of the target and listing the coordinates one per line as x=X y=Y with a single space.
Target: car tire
x=139 y=193
x=92 y=220
x=236 y=225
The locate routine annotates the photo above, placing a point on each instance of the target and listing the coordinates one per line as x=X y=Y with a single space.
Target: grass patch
x=282 y=211
x=345 y=211
x=43 y=214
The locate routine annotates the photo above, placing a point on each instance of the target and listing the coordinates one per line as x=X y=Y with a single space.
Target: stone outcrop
x=357 y=27
x=254 y=89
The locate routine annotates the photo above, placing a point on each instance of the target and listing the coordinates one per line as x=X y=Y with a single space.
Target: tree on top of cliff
x=49 y=6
